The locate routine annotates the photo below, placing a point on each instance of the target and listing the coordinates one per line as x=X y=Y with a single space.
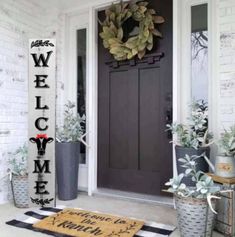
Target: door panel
x=134 y=100
x=123 y=123
x=150 y=117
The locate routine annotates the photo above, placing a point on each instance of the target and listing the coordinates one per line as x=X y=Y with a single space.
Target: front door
x=134 y=105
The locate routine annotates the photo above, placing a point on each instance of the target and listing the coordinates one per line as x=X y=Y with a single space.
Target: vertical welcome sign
x=41 y=153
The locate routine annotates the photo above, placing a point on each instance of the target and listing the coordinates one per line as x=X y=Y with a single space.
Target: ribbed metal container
x=195 y=219
x=20 y=190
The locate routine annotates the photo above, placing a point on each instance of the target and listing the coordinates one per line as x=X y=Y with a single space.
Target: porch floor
x=131 y=208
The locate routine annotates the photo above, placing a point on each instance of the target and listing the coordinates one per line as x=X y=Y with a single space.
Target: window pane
x=81 y=82
x=199 y=52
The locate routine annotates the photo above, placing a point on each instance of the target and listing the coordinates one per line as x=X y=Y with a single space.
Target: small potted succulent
x=225 y=162
x=194 y=204
x=67 y=152
x=193 y=138
x=19 y=176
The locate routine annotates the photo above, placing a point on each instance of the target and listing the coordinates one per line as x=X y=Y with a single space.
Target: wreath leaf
x=150 y=38
x=157 y=33
x=141 y=54
x=120 y=33
x=158 y=19
x=145 y=4
x=149 y=46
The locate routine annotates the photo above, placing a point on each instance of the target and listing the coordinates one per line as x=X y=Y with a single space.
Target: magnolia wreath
x=112 y=29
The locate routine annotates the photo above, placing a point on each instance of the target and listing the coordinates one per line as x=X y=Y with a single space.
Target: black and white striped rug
x=150 y=229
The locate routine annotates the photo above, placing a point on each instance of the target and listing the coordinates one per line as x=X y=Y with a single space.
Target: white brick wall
x=227 y=63
x=19 y=21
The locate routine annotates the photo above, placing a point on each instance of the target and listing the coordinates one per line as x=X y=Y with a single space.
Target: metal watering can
x=224 y=166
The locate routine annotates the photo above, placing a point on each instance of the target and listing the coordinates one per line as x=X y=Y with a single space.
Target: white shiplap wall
x=227 y=63
x=19 y=21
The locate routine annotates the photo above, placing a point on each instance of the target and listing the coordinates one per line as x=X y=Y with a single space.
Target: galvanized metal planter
x=195 y=219
x=20 y=190
x=67 y=163
x=225 y=166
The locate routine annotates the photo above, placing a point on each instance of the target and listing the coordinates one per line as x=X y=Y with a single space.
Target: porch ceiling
x=62 y=4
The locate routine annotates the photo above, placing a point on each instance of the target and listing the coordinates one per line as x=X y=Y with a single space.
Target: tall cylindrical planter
x=20 y=190
x=67 y=162
x=202 y=165
x=225 y=166
x=194 y=216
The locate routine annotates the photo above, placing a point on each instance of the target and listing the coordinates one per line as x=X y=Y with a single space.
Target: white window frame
x=70 y=75
x=182 y=62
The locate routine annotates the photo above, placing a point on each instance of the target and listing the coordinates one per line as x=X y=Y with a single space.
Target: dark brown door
x=134 y=105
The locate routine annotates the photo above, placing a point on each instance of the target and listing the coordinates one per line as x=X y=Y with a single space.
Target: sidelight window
x=81 y=82
x=199 y=52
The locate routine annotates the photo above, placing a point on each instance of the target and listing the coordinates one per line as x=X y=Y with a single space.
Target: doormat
x=48 y=220
x=81 y=223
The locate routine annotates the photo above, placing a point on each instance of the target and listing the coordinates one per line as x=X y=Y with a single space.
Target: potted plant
x=225 y=162
x=67 y=152
x=193 y=138
x=194 y=205
x=19 y=176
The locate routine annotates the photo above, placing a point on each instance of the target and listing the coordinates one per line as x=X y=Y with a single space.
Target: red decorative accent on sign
x=41 y=136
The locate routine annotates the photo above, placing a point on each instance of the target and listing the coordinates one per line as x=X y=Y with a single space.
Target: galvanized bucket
x=225 y=166
x=20 y=190
x=195 y=219
x=67 y=163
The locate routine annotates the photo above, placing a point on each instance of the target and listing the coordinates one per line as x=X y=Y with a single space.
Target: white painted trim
x=185 y=75
x=92 y=101
x=95 y=5
x=176 y=68
x=75 y=22
x=71 y=73
x=213 y=62
x=213 y=57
